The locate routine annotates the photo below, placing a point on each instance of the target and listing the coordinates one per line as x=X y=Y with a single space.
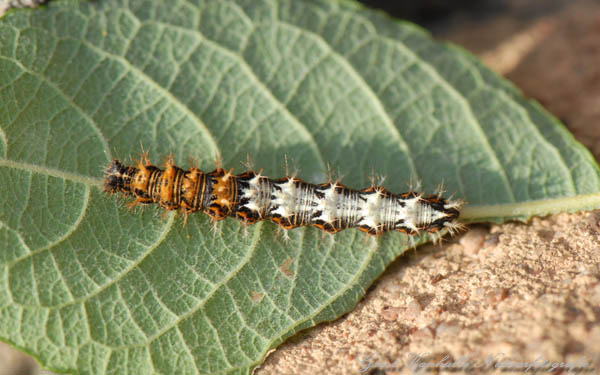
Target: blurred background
x=550 y=49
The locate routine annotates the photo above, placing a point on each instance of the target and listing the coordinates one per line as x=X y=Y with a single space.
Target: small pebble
x=472 y=241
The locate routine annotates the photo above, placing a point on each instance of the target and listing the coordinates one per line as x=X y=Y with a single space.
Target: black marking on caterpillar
x=288 y=201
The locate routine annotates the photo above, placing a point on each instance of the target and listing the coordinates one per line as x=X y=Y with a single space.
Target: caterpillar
x=288 y=201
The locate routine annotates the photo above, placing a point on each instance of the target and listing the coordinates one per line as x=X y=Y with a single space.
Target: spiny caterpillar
x=288 y=201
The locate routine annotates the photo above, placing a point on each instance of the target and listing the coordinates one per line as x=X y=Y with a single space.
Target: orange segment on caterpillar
x=288 y=201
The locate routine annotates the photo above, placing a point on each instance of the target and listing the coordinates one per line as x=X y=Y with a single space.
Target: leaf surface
x=88 y=286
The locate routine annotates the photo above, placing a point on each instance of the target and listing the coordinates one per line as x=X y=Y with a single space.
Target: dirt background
x=499 y=296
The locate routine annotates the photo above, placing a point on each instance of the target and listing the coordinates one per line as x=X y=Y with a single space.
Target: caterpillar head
x=117 y=177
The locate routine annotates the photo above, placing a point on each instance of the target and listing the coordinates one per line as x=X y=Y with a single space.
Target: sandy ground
x=500 y=296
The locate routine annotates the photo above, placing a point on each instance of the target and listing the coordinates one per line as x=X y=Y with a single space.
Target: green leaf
x=88 y=286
